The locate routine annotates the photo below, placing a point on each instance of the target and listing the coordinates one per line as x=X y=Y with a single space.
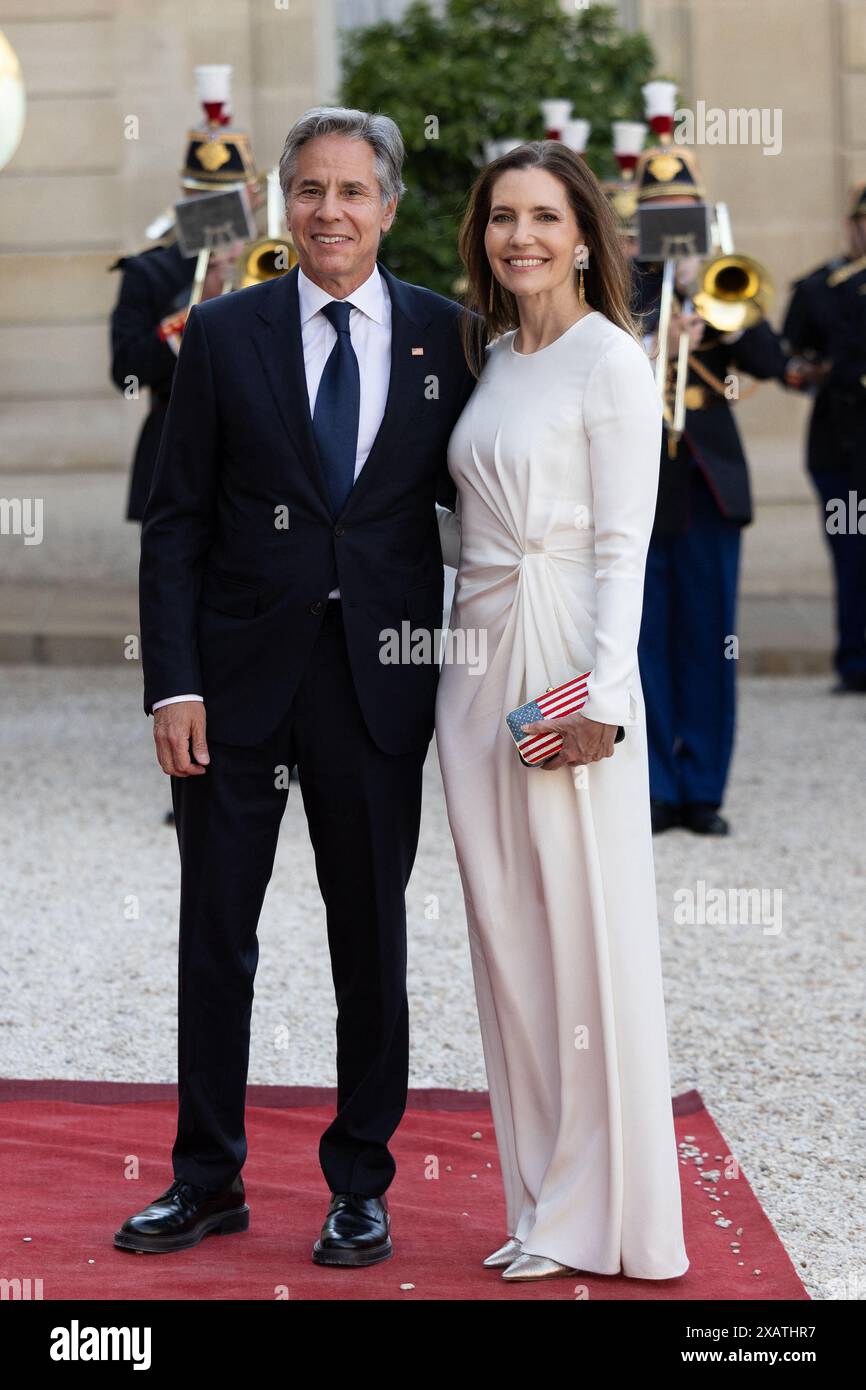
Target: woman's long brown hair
x=607 y=279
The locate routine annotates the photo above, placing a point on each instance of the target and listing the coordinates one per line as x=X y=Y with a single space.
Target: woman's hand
x=583 y=740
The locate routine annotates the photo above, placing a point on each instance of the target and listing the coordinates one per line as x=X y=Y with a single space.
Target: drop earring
x=581 y=259
x=490 y=296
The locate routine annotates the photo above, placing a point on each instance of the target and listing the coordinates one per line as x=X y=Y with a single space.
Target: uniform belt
x=702 y=397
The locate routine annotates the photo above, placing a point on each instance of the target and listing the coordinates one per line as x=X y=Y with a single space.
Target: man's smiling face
x=335 y=212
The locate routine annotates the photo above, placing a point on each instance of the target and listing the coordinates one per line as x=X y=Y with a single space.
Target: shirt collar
x=368 y=297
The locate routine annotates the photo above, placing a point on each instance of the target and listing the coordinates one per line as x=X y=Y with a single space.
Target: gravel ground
x=764 y=1016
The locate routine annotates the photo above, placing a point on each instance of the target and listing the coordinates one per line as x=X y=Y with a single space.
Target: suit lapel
x=408 y=320
x=281 y=351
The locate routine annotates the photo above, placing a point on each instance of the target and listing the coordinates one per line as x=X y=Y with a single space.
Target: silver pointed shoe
x=536 y=1267
x=505 y=1255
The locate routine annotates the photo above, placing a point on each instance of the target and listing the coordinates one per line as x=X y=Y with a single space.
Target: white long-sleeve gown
x=556 y=460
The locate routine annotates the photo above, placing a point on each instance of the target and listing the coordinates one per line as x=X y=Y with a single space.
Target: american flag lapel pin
x=417 y=352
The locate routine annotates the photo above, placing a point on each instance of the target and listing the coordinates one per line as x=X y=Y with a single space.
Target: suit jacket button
x=317 y=606
x=338 y=530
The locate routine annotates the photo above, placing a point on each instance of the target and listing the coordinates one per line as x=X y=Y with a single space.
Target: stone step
x=76 y=624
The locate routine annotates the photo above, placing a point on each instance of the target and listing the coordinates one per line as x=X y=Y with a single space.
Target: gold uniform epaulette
x=845 y=272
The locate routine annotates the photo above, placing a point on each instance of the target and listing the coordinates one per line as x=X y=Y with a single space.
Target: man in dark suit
x=291 y=527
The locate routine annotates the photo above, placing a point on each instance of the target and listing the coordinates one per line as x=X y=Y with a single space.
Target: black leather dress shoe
x=183 y=1215
x=665 y=815
x=703 y=818
x=849 y=685
x=356 y=1231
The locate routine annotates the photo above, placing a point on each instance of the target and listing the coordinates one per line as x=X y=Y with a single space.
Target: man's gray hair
x=379 y=131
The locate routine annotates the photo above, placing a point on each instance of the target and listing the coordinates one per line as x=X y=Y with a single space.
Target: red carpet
x=65 y=1145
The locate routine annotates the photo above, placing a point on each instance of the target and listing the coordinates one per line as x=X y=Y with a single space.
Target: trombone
x=736 y=291
x=734 y=294
x=264 y=259
x=274 y=253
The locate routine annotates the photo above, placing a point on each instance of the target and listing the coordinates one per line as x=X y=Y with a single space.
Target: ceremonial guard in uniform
x=825 y=328
x=147 y=320
x=687 y=651
x=621 y=193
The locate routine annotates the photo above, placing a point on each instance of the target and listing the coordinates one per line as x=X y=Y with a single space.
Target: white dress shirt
x=370 y=328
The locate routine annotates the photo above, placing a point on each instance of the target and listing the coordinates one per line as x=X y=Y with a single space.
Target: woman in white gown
x=555 y=459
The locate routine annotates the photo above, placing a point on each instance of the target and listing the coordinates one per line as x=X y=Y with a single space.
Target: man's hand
x=220 y=268
x=583 y=740
x=803 y=374
x=692 y=324
x=687 y=275
x=178 y=728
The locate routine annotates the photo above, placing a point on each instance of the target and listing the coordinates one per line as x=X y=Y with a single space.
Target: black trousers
x=363 y=810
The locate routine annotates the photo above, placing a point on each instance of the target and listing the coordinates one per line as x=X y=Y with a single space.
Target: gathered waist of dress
x=511 y=555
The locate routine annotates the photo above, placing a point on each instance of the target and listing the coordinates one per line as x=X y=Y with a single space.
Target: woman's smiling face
x=532 y=231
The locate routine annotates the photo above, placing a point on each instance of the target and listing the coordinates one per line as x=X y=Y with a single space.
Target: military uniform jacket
x=829 y=322
x=711 y=441
x=154 y=284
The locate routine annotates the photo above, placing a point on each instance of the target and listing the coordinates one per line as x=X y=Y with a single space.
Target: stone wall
x=78 y=192
x=807 y=58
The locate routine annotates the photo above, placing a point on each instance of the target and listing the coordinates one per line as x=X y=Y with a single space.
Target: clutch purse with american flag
x=537 y=749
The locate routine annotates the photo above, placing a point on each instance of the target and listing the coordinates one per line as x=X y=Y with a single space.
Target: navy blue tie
x=338 y=407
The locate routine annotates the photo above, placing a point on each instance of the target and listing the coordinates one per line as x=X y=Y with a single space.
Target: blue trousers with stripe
x=687 y=673
x=848 y=553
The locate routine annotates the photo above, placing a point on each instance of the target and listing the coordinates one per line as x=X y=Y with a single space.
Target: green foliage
x=481 y=71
